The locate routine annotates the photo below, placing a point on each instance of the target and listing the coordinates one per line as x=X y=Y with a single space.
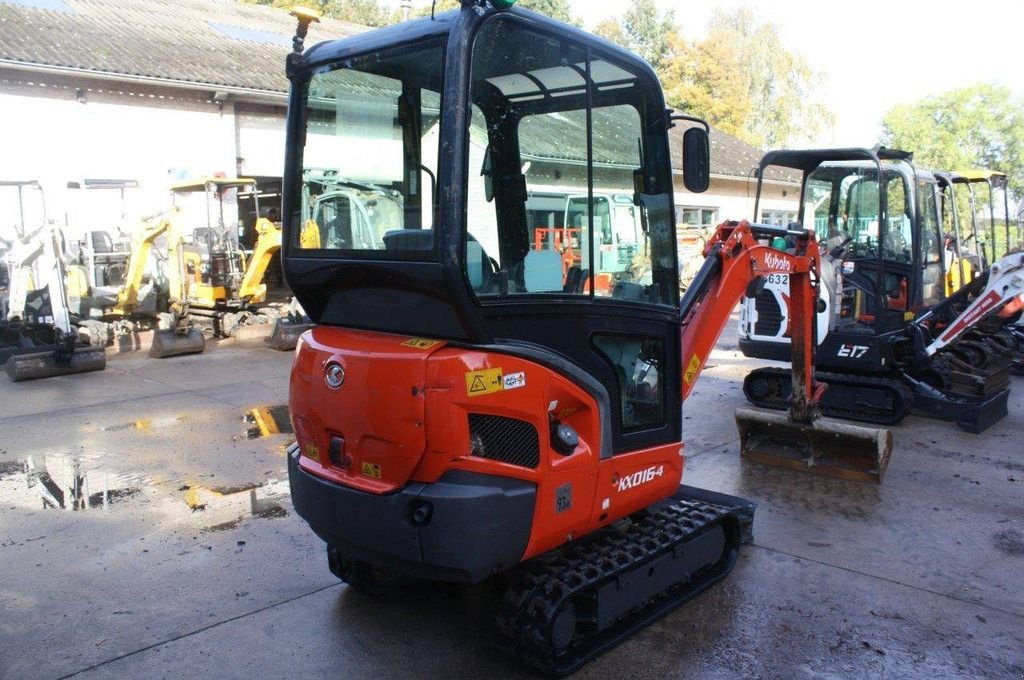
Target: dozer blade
x=824 y=446
x=286 y=334
x=171 y=343
x=38 y=365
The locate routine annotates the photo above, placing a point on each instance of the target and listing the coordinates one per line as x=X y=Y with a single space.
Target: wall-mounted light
x=220 y=96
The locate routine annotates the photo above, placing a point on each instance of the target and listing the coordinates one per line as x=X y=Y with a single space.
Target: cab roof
x=201 y=183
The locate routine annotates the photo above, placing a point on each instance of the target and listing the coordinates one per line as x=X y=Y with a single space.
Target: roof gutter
x=249 y=94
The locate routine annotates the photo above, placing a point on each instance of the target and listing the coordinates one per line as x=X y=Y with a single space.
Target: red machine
x=462 y=411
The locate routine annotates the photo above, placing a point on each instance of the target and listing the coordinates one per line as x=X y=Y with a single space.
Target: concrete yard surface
x=177 y=553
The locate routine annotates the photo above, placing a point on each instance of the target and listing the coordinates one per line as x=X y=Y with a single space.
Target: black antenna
x=433 y=6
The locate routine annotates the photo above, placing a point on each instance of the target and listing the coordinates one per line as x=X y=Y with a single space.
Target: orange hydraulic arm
x=736 y=262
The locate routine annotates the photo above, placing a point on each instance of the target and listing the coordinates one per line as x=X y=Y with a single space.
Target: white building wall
x=55 y=132
x=734 y=198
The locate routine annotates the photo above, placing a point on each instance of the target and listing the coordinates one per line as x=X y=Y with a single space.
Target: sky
x=885 y=53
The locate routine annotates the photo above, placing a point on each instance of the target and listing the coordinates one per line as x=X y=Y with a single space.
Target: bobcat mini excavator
x=462 y=409
x=37 y=336
x=877 y=217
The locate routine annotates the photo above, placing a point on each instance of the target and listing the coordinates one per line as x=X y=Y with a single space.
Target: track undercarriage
x=565 y=607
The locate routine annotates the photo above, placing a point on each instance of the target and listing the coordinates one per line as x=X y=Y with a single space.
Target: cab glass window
x=370 y=155
x=931 y=245
x=551 y=119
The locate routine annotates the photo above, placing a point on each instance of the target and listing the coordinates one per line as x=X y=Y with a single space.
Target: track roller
x=567 y=606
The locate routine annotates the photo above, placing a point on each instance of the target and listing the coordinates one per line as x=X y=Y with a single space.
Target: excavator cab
x=983 y=186
x=460 y=263
x=212 y=262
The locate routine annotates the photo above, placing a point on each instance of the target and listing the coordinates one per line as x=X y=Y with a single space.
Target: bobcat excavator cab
x=221 y=284
x=37 y=336
x=460 y=410
x=877 y=218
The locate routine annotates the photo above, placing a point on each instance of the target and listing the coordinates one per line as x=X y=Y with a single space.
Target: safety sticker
x=420 y=343
x=514 y=381
x=691 y=369
x=313 y=451
x=486 y=381
x=371 y=470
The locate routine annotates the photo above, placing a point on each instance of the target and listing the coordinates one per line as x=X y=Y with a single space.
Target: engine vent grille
x=504 y=439
x=769 y=316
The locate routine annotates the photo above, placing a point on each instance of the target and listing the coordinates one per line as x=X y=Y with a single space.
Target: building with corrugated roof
x=157 y=91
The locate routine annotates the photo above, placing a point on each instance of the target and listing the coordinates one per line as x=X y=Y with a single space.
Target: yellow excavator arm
x=142 y=246
x=252 y=288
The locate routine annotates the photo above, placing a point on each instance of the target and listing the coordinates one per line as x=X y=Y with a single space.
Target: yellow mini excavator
x=121 y=309
x=221 y=284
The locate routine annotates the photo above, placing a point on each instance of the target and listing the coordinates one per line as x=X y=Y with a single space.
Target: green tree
x=739 y=76
x=706 y=79
x=780 y=87
x=981 y=126
x=363 y=12
x=556 y=9
x=647 y=31
x=611 y=29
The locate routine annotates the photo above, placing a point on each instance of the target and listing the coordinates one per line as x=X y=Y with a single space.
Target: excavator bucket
x=49 y=364
x=172 y=342
x=824 y=446
x=285 y=334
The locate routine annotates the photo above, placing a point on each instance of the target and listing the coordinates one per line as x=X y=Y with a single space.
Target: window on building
x=780 y=218
x=696 y=217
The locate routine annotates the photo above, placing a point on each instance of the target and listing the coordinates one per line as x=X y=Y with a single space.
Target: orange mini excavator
x=465 y=406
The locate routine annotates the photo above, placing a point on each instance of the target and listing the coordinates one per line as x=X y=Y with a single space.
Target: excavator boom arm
x=1004 y=283
x=128 y=296
x=735 y=262
x=268 y=243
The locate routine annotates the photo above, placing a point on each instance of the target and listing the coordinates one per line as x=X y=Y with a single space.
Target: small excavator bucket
x=49 y=364
x=286 y=332
x=824 y=446
x=172 y=342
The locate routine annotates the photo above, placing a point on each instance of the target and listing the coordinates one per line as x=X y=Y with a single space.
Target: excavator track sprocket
x=567 y=606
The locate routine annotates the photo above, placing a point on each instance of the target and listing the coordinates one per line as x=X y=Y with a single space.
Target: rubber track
x=540 y=586
x=901 y=394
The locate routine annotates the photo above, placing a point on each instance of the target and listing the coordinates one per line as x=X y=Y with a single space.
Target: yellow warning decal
x=420 y=343
x=313 y=451
x=691 y=369
x=371 y=470
x=486 y=381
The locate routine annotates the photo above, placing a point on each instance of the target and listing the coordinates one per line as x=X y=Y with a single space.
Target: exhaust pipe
x=823 y=446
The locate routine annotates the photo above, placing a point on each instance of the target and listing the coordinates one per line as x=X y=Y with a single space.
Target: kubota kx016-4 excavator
x=462 y=407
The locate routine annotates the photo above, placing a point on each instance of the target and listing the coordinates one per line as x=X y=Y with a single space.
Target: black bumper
x=479 y=524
